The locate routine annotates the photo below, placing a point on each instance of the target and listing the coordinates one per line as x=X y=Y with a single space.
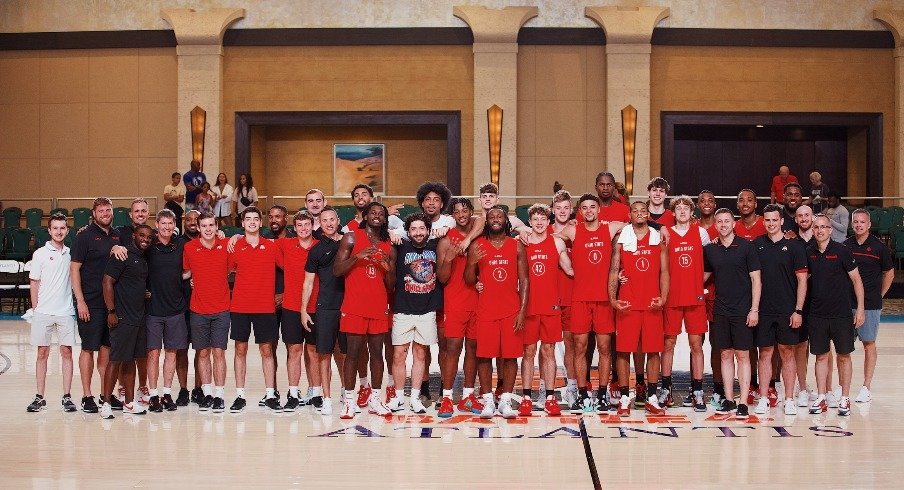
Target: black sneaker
x=742 y=411
x=115 y=404
x=602 y=404
x=688 y=400
x=699 y=402
x=168 y=404
x=206 y=403
x=197 y=396
x=425 y=390
x=577 y=407
x=218 y=405
x=316 y=402
x=238 y=405
x=727 y=406
x=88 y=405
x=273 y=404
x=38 y=404
x=154 y=405
x=263 y=401
x=183 y=398
x=68 y=405
x=292 y=403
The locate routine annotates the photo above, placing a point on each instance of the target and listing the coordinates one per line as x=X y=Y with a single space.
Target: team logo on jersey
x=371 y=271
x=595 y=256
x=538 y=268
x=499 y=274
x=685 y=260
x=642 y=264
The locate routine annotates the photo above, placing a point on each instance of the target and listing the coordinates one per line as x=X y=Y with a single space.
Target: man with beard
x=793 y=199
x=750 y=225
x=706 y=202
x=190 y=232
x=610 y=208
x=362 y=195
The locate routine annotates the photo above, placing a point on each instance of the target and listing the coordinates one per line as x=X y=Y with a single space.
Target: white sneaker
x=134 y=408
x=505 y=410
x=396 y=404
x=106 y=411
x=762 y=406
x=121 y=394
x=803 y=398
x=489 y=406
x=143 y=395
x=844 y=406
x=570 y=396
x=376 y=406
x=790 y=407
x=348 y=410
x=417 y=407
x=832 y=399
x=865 y=396
x=306 y=399
x=327 y=407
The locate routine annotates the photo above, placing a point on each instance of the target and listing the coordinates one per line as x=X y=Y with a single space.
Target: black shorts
x=167 y=331
x=781 y=331
x=265 y=327
x=94 y=333
x=292 y=331
x=731 y=332
x=128 y=342
x=326 y=332
x=840 y=331
x=210 y=331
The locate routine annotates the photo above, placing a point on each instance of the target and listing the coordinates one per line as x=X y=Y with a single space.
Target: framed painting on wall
x=356 y=163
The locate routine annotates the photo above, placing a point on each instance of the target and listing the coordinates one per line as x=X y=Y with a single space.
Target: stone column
x=894 y=21
x=628 y=32
x=496 y=82
x=199 y=39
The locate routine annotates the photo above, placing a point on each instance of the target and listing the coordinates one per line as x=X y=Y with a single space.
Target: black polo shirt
x=789 y=224
x=320 y=261
x=165 y=278
x=131 y=276
x=829 y=286
x=126 y=232
x=872 y=258
x=731 y=267
x=780 y=261
x=91 y=248
x=268 y=233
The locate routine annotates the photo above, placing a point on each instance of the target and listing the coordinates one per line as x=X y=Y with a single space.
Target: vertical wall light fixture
x=494 y=133
x=198 y=127
x=629 y=139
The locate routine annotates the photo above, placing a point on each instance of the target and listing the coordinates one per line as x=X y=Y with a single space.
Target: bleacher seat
x=33 y=217
x=80 y=217
x=12 y=217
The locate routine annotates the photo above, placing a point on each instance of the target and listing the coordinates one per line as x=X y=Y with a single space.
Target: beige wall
x=776 y=80
x=87 y=123
x=561 y=117
x=357 y=78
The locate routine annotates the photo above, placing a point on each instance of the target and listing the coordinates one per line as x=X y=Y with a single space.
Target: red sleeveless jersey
x=498 y=271
x=667 y=218
x=458 y=296
x=642 y=270
x=754 y=231
x=365 y=289
x=614 y=212
x=543 y=262
x=592 y=251
x=566 y=283
x=685 y=268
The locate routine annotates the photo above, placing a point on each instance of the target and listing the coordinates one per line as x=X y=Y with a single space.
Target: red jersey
x=294 y=257
x=210 y=274
x=754 y=231
x=255 y=276
x=685 y=268
x=543 y=262
x=641 y=267
x=566 y=282
x=498 y=271
x=365 y=287
x=458 y=296
x=667 y=218
x=711 y=231
x=592 y=252
x=614 y=212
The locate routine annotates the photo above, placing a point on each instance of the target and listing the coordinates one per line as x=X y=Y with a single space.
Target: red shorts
x=542 y=328
x=498 y=338
x=694 y=320
x=460 y=324
x=566 y=318
x=596 y=315
x=360 y=325
x=639 y=331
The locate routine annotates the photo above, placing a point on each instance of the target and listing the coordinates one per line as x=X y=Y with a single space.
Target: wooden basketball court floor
x=186 y=448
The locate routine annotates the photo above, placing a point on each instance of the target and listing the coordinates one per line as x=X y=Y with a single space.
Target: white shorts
x=42 y=329
x=418 y=328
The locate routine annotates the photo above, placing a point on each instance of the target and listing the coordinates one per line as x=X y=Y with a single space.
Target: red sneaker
x=390 y=394
x=552 y=407
x=446 y=409
x=652 y=406
x=476 y=404
x=465 y=404
x=773 y=397
x=614 y=393
x=364 y=395
x=753 y=397
x=526 y=408
x=624 y=406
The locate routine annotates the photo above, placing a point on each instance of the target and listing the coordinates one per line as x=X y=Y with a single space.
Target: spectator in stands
x=205 y=199
x=818 y=192
x=193 y=180
x=223 y=193
x=245 y=195
x=174 y=195
x=838 y=215
x=779 y=182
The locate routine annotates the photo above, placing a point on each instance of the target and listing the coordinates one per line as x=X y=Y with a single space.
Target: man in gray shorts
x=205 y=260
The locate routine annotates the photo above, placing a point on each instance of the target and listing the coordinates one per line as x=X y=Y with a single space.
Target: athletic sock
x=167 y=390
x=317 y=391
x=219 y=392
x=498 y=383
x=666 y=382
x=466 y=392
x=152 y=392
x=415 y=393
x=240 y=392
x=719 y=388
x=293 y=391
x=447 y=393
x=271 y=392
x=527 y=392
x=754 y=380
x=640 y=378
x=623 y=390
x=425 y=386
x=772 y=383
x=365 y=381
x=601 y=392
x=584 y=393
x=696 y=385
x=375 y=394
x=349 y=396
x=390 y=381
x=206 y=389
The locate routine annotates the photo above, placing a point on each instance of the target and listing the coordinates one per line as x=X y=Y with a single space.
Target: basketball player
x=562 y=210
x=362 y=195
x=489 y=198
x=750 y=225
x=658 y=190
x=610 y=208
x=706 y=202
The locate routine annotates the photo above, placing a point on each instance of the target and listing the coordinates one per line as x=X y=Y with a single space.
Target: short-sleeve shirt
x=255 y=276
x=91 y=248
x=829 y=286
x=731 y=267
x=780 y=262
x=778 y=187
x=331 y=288
x=210 y=273
x=294 y=259
x=873 y=259
x=195 y=179
x=50 y=266
x=417 y=288
x=789 y=223
x=165 y=278
x=131 y=277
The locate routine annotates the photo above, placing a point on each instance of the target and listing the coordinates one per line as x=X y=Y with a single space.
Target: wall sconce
x=494 y=133
x=629 y=138
x=198 y=126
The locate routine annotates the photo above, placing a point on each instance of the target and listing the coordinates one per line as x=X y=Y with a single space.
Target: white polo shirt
x=51 y=266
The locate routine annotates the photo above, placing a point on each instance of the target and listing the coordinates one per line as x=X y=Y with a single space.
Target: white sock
x=376 y=395
x=271 y=392
x=152 y=392
x=293 y=391
x=349 y=396
x=317 y=391
x=167 y=390
x=219 y=392
x=365 y=381
x=415 y=393
x=390 y=381
x=466 y=392
x=240 y=392
x=572 y=383
x=447 y=393
x=506 y=397
x=206 y=389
